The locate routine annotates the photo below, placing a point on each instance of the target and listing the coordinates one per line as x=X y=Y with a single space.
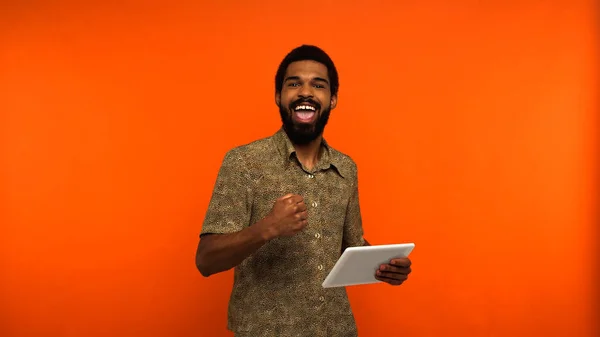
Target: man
x=282 y=211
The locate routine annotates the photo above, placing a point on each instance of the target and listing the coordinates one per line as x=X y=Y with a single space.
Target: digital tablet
x=358 y=265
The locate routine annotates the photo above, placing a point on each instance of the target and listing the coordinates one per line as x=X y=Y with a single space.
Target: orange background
x=472 y=122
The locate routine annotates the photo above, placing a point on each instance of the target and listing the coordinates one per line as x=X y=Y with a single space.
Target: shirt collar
x=329 y=156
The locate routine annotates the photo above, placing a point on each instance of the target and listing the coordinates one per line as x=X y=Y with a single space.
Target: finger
x=391 y=276
x=287 y=196
x=301 y=225
x=394 y=269
x=401 y=262
x=294 y=199
x=301 y=207
x=389 y=281
x=302 y=215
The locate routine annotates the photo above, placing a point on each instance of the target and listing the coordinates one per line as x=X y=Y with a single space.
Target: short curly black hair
x=308 y=52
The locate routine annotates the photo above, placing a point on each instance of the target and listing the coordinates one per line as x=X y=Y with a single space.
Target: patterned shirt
x=277 y=290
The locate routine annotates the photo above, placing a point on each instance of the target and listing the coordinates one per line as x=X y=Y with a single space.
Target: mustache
x=295 y=103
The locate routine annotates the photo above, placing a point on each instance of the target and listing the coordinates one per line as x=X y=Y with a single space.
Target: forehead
x=307 y=69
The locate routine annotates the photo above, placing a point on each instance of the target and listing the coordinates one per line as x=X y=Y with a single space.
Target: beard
x=302 y=133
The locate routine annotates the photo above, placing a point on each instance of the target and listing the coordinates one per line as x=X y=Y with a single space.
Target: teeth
x=305 y=107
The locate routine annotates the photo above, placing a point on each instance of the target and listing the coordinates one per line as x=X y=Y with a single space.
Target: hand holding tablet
x=359 y=265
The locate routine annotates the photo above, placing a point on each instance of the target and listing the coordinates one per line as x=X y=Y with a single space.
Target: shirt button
x=321 y=298
x=320 y=267
x=314 y=204
x=310 y=176
x=317 y=235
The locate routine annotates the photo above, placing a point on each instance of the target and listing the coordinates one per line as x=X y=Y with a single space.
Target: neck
x=308 y=154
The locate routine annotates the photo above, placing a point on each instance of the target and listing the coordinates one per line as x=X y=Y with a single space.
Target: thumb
x=289 y=195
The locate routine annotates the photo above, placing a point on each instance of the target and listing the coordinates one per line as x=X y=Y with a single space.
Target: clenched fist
x=288 y=216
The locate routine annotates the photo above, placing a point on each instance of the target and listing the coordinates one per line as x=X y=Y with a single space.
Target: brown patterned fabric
x=277 y=290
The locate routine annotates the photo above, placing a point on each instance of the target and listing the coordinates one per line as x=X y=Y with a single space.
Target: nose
x=305 y=91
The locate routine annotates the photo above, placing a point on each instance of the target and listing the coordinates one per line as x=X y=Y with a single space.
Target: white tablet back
x=358 y=265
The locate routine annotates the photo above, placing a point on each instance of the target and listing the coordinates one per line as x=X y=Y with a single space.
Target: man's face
x=305 y=101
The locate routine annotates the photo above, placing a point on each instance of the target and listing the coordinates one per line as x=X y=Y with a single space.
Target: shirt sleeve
x=353 y=229
x=230 y=204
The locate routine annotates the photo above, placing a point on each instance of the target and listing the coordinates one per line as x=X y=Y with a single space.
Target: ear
x=333 y=101
x=277 y=98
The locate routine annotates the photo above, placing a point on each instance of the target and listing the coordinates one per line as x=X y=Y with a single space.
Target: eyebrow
x=295 y=78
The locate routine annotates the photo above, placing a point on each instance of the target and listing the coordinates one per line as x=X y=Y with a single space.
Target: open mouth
x=305 y=112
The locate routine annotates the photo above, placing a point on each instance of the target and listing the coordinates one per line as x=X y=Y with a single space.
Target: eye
x=319 y=86
x=294 y=84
